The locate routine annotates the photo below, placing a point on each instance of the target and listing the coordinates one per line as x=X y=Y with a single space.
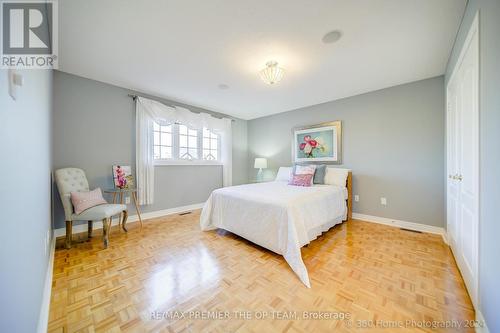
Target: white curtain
x=226 y=151
x=149 y=111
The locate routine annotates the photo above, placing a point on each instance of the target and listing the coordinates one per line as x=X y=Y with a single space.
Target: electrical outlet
x=127 y=200
x=356 y=197
x=383 y=201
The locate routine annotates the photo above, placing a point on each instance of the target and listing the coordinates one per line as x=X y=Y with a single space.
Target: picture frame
x=318 y=143
x=122 y=177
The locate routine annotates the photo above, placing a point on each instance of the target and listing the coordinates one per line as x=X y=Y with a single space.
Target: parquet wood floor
x=379 y=276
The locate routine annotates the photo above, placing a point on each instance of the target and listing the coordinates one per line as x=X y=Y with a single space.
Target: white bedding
x=277 y=216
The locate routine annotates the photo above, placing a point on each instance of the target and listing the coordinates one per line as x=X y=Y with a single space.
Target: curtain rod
x=134 y=97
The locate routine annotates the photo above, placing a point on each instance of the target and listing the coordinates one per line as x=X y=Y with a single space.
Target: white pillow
x=336 y=176
x=305 y=169
x=283 y=174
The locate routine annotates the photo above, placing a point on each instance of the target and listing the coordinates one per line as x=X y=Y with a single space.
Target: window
x=188 y=143
x=210 y=145
x=177 y=143
x=162 y=141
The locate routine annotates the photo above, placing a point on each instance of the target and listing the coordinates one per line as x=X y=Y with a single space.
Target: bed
x=279 y=217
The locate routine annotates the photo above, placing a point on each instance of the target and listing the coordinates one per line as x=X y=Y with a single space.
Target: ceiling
x=183 y=50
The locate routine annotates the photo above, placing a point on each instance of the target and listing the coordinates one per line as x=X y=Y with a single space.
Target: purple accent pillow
x=301 y=180
x=85 y=200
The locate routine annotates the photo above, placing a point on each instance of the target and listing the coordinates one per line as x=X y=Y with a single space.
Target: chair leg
x=125 y=216
x=105 y=233
x=89 y=229
x=69 y=231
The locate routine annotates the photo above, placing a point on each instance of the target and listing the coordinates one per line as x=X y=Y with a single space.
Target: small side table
x=119 y=193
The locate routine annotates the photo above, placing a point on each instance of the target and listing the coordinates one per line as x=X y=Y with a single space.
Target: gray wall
x=393 y=140
x=489 y=100
x=94 y=128
x=240 y=152
x=25 y=166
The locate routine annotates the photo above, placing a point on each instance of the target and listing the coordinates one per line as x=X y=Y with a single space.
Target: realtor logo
x=29 y=34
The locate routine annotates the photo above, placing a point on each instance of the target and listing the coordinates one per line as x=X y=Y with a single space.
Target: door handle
x=459 y=177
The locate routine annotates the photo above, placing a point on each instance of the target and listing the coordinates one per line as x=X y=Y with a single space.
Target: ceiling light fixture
x=272 y=73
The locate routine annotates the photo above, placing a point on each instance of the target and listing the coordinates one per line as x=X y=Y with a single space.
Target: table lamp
x=260 y=163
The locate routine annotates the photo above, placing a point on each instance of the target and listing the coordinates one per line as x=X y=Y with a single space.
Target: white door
x=452 y=163
x=463 y=160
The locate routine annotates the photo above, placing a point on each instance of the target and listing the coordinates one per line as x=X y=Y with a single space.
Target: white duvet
x=277 y=216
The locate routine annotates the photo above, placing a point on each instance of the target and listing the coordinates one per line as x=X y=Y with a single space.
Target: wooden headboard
x=349 y=195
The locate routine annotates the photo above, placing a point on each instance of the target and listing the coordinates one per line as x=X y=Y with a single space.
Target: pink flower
x=307 y=138
x=302 y=146
x=122 y=182
x=313 y=143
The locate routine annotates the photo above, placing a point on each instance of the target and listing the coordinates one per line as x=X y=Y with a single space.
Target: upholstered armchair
x=74 y=180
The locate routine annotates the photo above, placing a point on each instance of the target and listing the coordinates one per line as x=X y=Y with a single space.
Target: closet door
x=452 y=167
x=463 y=161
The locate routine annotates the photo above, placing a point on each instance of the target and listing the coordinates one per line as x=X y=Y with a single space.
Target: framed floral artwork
x=318 y=143
x=122 y=176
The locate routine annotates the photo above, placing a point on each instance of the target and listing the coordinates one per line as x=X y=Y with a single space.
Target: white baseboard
x=402 y=224
x=445 y=237
x=132 y=218
x=480 y=320
x=43 y=318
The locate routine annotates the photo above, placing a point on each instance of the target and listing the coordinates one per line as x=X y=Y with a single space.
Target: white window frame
x=210 y=148
x=175 y=151
x=187 y=147
x=159 y=134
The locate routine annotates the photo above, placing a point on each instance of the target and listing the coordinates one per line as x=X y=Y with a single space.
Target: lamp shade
x=260 y=163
